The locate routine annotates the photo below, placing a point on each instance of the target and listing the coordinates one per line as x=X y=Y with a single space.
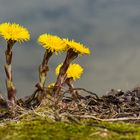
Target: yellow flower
x=51 y=85
x=57 y=70
x=74 y=71
x=13 y=31
x=52 y=43
x=77 y=47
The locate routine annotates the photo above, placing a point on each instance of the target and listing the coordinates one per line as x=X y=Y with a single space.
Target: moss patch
x=43 y=128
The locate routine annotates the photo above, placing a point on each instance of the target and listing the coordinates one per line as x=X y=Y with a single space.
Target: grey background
x=110 y=28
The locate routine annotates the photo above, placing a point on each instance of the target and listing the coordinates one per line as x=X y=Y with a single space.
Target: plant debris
x=116 y=105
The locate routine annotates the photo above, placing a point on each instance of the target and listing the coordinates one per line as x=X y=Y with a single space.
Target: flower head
x=77 y=47
x=52 y=43
x=74 y=71
x=13 y=31
x=51 y=85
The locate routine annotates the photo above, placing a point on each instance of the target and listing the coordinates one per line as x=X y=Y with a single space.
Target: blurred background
x=110 y=28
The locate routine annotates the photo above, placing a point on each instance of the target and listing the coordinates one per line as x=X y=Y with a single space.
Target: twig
x=87 y=117
x=36 y=113
x=122 y=119
x=83 y=90
x=72 y=118
x=108 y=120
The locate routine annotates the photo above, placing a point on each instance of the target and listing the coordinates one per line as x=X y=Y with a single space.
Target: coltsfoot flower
x=77 y=47
x=74 y=71
x=52 y=43
x=51 y=85
x=14 y=32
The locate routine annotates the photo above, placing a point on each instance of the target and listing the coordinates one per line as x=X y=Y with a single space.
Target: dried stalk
x=3 y=103
x=107 y=120
x=89 y=92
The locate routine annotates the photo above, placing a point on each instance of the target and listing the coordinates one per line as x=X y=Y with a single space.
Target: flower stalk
x=11 y=90
x=38 y=94
x=74 y=93
x=43 y=69
x=52 y=44
x=71 y=55
x=73 y=72
x=73 y=50
x=12 y=33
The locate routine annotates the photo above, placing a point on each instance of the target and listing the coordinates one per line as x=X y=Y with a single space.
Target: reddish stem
x=11 y=90
x=71 y=55
x=43 y=69
x=74 y=93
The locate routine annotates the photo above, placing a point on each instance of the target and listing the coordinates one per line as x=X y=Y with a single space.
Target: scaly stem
x=43 y=69
x=11 y=90
x=71 y=55
x=38 y=95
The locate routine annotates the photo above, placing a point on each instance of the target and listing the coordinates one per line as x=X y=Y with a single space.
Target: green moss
x=44 y=129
